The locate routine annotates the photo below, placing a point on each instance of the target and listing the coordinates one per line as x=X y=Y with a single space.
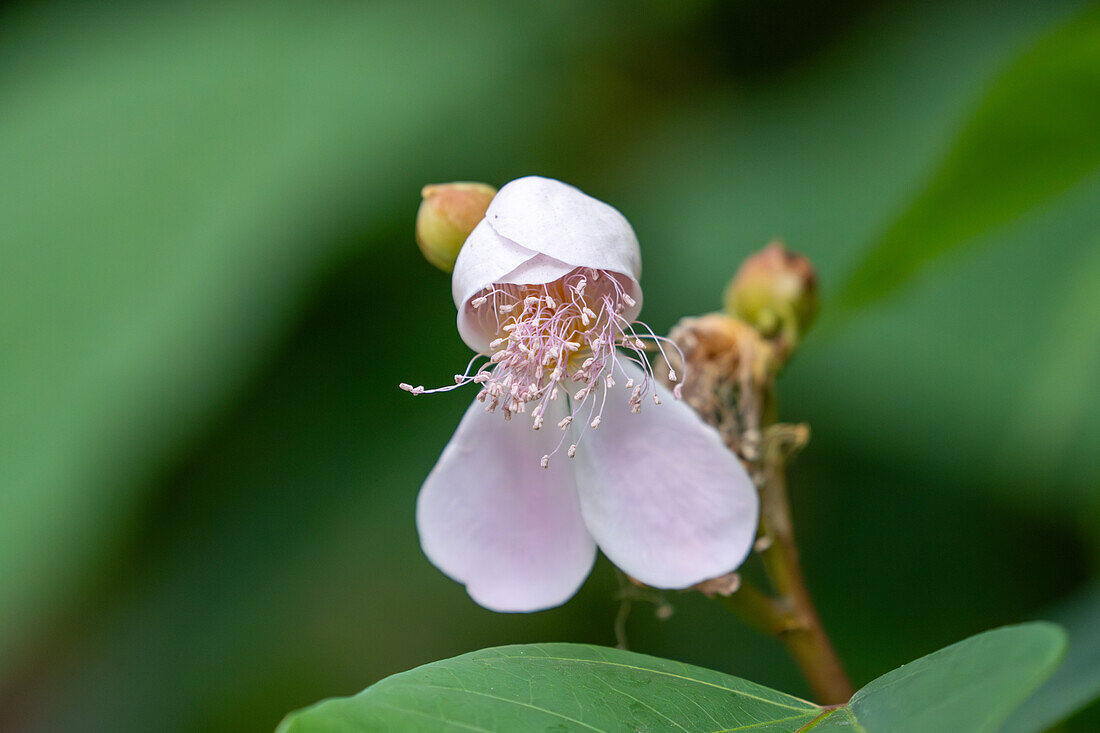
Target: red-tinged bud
x=776 y=292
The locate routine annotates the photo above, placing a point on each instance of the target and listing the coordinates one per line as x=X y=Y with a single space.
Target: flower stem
x=792 y=616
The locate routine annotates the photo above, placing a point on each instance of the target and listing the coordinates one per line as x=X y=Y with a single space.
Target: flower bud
x=776 y=292
x=447 y=215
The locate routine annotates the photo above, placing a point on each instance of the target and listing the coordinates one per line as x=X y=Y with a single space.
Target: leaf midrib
x=809 y=706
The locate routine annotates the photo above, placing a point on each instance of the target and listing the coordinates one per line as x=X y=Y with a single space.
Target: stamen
x=568 y=331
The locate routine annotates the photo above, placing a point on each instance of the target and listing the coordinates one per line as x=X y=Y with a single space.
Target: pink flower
x=547 y=293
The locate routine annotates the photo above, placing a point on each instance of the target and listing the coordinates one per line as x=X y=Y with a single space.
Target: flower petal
x=667 y=502
x=555 y=219
x=485 y=257
x=535 y=231
x=490 y=517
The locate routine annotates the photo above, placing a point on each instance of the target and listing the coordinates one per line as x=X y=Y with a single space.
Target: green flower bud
x=776 y=292
x=447 y=215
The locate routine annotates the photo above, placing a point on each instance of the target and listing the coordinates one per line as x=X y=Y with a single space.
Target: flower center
x=566 y=336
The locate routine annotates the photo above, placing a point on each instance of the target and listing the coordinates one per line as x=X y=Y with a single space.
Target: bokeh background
x=209 y=291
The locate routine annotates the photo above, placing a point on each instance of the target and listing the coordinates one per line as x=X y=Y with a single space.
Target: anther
x=595 y=422
x=478 y=302
x=572 y=450
x=566 y=422
x=545 y=462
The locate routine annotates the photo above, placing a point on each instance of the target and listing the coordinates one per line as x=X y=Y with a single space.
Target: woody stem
x=791 y=616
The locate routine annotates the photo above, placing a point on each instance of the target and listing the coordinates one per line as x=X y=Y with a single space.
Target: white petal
x=487 y=258
x=667 y=502
x=484 y=259
x=535 y=231
x=490 y=517
x=558 y=220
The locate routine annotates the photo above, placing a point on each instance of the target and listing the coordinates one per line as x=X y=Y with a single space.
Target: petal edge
x=491 y=518
x=665 y=499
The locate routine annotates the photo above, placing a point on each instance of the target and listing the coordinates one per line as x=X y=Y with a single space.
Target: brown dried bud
x=723 y=585
x=728 y=373
x=776 y=291
x=447 y=215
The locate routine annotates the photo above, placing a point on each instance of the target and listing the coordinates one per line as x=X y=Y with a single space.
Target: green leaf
x=1077 y=681
x=969 y=687
x=1050 y=430
x=980 y=374
x=560 y=687
x=1032 y=137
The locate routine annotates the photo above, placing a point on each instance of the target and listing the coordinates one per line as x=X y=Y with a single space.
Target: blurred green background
x=209 y=292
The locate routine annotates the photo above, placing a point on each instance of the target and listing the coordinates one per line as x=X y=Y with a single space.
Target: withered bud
x=447 y=215
x=728 y=370
x=723 y=585
x=776 y=292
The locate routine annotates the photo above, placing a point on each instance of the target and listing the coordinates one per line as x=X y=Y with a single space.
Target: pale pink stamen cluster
x=570 y=330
